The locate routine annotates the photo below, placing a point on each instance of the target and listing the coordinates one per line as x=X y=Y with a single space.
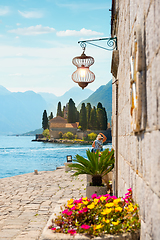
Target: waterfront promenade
x=27 y=201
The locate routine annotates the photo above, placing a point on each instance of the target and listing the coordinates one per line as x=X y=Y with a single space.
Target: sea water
x=20 y=155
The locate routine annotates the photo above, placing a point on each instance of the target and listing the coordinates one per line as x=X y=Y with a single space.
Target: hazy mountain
x=4 y=91
x=76 y=93
x=20 y=112
x=104 y=95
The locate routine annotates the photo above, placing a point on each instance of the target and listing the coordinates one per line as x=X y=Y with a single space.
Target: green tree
x=92 y=136
x=71 y=111
x=100 y=119
x=69 y=135
x=59 y=110
x=51 y=116
x=89 y=108
x=83 y=117
x=93 y=119
x=45 y=120
x=46 y=133
x=99 y=105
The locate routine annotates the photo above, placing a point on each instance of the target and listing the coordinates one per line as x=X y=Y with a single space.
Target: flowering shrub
x=98 y=215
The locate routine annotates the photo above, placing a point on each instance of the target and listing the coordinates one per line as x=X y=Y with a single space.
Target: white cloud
x=31 y=14
x=82 y=32
x=4 y=10
x=18 y=24
x=17 y=37
x=15 y=74
x=33 y=30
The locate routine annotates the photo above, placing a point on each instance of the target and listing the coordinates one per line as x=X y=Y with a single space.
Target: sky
x=39 y=39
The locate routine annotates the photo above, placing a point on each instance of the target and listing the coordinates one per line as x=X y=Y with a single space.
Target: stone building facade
x=136 y=107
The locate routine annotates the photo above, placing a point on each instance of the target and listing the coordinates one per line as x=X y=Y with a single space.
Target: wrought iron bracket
x=111 y=43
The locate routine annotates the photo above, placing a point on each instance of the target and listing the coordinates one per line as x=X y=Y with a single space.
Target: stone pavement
x=27 y=201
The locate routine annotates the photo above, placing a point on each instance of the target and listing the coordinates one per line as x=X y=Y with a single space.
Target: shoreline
x=82 y=142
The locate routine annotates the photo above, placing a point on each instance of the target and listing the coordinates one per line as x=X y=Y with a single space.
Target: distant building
x=59 y=124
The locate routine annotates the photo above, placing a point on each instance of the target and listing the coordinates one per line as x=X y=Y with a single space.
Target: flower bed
x=98 y=216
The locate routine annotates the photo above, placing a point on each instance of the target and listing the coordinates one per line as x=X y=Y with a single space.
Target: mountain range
x=104 y=95
x=22 y=112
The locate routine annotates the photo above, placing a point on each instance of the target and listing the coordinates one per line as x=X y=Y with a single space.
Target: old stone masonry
x=27 y=201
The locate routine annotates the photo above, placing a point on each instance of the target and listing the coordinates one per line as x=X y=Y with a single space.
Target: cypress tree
x=51 y=116
x=59 y=110
x=93 y=120
x=45 y=120
x=89 y=108
x=100 y=119
x=99 y=105
x=83 y=117
x=71 y=111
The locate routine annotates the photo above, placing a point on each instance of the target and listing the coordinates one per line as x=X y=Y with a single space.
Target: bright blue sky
x=38 y=39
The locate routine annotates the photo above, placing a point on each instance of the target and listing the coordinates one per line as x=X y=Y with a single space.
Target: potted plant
x=97 y=165
x=99 y=217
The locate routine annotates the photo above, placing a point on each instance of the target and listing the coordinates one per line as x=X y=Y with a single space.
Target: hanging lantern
x=83 y=75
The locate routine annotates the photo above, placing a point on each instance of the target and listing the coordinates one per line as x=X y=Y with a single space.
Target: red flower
x=72 y=231
x=53 y=228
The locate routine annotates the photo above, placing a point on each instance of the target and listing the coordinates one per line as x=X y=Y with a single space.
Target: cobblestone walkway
x=27 y=201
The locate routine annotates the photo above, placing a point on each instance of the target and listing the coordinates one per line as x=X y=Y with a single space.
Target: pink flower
x=94 y=195
x=72 y=231
x=108 y=198
x=83 y=210
x=67 y=212
x=73 y=208
x=85 y=226
x=129 y=189
x=53 y=228
x=114 y=197
x=78 y=201
x=125 y=199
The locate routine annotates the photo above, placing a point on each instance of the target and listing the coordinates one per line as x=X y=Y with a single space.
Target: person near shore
x=98 y=143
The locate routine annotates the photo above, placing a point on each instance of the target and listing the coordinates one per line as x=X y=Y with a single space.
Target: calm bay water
x=19 y=155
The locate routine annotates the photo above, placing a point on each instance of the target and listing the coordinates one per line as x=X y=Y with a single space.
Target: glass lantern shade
x=83 y=75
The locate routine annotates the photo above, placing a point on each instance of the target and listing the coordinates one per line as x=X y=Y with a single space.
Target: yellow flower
x=106 y=211
x=78 y=205
x=85 y=202
x=130 y=208
x=116 y=223
x=98 y=226
x=70 y=205
x=96 y=200
x=102 y=198
x=109 y=204
x=118 y=209
x=91 y=206
x=84 y=198
x=105 y=220
x=116 y=201
x=70 y=201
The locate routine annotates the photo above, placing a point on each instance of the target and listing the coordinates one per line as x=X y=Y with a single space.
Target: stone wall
x=139 y=151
